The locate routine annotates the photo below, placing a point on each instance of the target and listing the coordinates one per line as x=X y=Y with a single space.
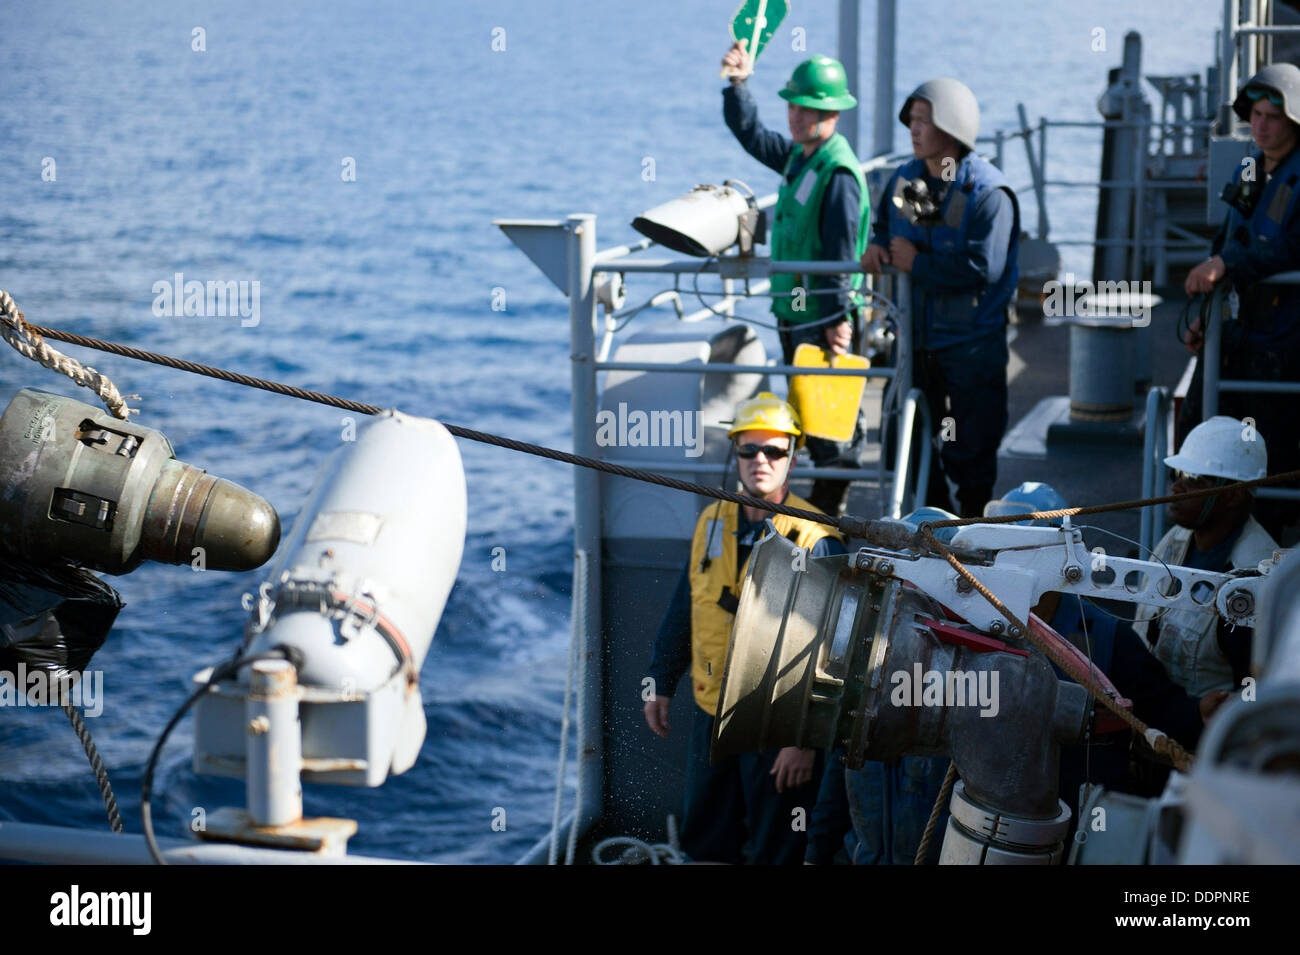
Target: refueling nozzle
x=79 y=485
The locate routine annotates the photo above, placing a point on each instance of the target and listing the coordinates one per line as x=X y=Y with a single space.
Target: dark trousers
x=891 y=803
x=966 y=388
x=1276 y=417
x=736 y=800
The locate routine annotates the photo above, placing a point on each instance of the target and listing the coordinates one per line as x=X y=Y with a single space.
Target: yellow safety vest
x=715 y=587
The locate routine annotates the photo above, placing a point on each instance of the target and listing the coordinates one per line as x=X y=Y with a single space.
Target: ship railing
x=1157 y=445
x=1246 y=46
x=1168 y=243
x=1212 y=386
x=753 y=272
x=1159 y=431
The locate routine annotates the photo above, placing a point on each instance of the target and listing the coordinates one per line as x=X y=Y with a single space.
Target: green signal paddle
x=754 y=25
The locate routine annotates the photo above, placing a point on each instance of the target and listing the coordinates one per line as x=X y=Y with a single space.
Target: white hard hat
x=1222 y=447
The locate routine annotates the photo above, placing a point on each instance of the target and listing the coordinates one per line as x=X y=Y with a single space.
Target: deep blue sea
x=227 y=164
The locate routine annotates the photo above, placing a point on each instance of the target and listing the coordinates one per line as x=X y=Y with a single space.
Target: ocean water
x=128 y=155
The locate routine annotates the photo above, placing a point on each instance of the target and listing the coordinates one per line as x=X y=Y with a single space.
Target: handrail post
x=903 y=356
x=1035 y=169
x=903 y=460
x=1154 y=443
x=1210 y=367
x=914 y=408
x=882 y=140
x=1227 y=66
x=1042 y=172
x=927 y=448
x=581 y=254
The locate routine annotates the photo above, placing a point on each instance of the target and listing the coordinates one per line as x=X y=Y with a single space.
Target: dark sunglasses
x=769 y=451
x=1259 y=92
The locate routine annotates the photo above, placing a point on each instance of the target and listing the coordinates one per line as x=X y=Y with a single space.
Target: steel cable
x=847 y=524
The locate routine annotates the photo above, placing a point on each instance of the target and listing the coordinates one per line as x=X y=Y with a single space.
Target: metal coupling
x=1240 y=603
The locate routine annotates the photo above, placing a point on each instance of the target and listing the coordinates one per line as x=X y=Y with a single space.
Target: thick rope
x=949 y=780
x=96 y=764
x=1287 y=478
x=27 y=340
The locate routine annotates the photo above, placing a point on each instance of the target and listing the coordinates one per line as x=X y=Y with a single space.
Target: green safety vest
x=796 y=231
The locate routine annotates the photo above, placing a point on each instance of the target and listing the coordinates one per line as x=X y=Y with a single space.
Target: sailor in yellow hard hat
x=695 y=634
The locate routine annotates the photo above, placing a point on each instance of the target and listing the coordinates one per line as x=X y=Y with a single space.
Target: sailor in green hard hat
x=822 y=213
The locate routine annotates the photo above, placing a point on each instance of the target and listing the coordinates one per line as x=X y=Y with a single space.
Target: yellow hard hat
x=767 y=412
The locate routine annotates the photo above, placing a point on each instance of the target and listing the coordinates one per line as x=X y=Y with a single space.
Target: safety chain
x=27 y=340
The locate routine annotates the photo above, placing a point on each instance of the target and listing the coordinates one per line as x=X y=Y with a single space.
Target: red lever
x=947 y=633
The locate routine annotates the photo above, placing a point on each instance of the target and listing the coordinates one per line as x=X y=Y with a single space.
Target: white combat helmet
x=1222 y=447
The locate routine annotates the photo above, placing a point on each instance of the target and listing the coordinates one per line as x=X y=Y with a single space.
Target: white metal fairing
x=357 y=590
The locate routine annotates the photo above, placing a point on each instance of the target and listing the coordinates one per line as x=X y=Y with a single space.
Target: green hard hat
x=819 y=83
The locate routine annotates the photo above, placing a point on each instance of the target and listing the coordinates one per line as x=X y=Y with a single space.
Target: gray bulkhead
x=645 y=535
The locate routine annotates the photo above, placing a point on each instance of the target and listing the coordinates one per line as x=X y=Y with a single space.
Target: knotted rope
x=27 y=341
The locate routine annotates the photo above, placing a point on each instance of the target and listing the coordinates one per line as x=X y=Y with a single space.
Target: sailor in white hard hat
x=1214 y=533
x=1116 y=651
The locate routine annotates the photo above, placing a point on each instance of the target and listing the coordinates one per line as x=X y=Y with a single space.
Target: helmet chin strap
x=816 y=136
x=789 y=463
x=1209 y=503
